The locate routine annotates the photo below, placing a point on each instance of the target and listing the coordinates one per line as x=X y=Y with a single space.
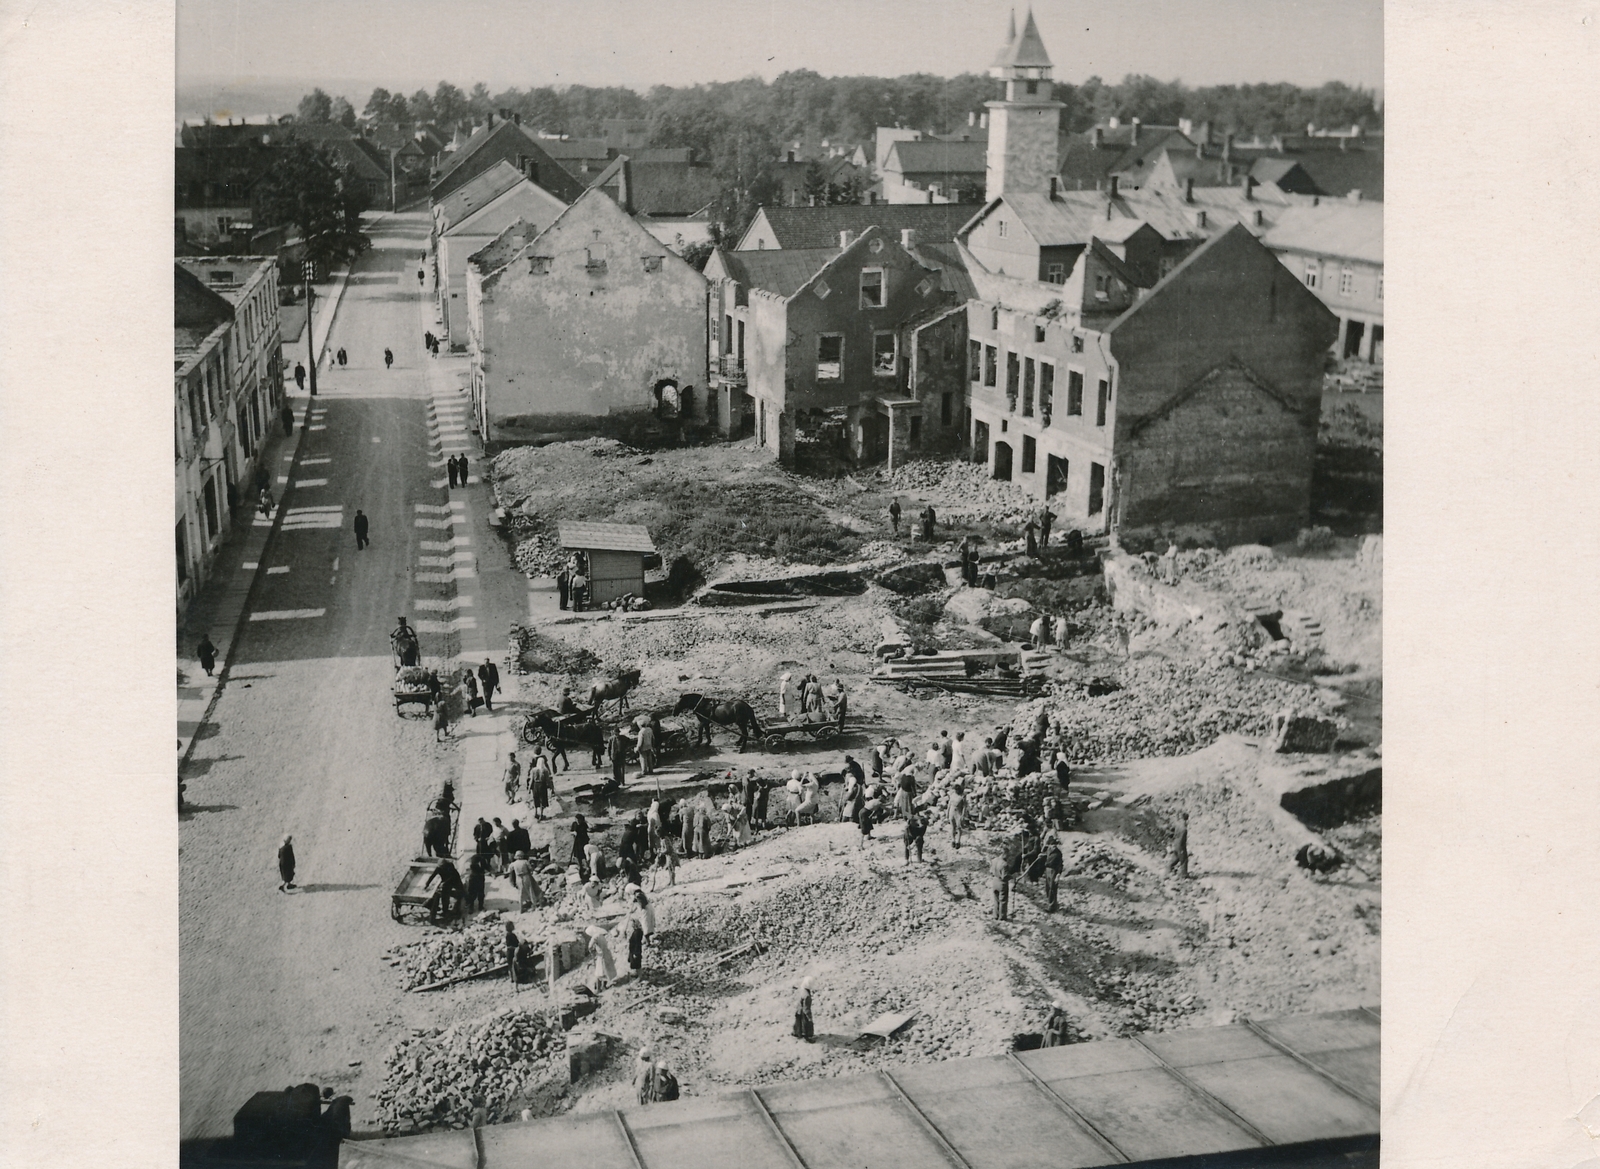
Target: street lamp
x=311 y=352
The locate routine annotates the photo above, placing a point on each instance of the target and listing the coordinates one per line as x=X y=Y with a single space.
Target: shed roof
x=589 y=537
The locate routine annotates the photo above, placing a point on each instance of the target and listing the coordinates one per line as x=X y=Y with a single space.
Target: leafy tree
x=420 y=107
x=312 y=190
x=378 y=105
x=698 y=253
x=816 y=183
x=846 y=191
x=344 y=113
x=449 y=104
x=479 y=101
x=316 y=107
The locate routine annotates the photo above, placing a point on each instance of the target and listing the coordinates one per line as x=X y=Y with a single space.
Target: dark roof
x=819 y=227
x=505 y=142
x=1338 y=172
x=946 y=259
x=1082 y=165
x=195 y=305
x=477 y=194
x=783 y=272
x=219 y=176
x=1027 y=49
x=679 y=154
x=565 y=148
x=669 y=188
x=933 y=157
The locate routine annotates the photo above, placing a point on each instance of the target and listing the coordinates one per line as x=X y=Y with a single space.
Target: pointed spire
x=1011 y=39
x=1028 y=49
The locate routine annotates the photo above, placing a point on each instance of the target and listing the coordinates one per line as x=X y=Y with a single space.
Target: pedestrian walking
x=563 y=586
x=635 y=935
x=1000 y=887
x=344 y=358
x=647 y=750
x=469 y=682
x=266 y=504
x=482 y=837
x=1053 y=865
x=299 y=375
x=450 y=465
x=540 y=781
x=511 y=944
x=517 y=840
x=286 y=416
x=929 y=519
x=441 y=721
x=361 y=530
x=580 y=840
x=286 y=865
x=528 y=891
x=1031 y=531
x=502 y=862
x=804 y=1025
x=914 y=832
x=477 y=875
x=489 y=680
x=1178 y=850
x=388 y=359
x=461 y=468
x=958 y=815
x=894 y=515
x=1046 y=518
x=513 y=777
x=427 y=339
x=207 y=653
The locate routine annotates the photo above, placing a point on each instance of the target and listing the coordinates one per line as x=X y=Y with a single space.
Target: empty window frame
x=1074 y=392
x=974 y=361
x=990 y=360
x=1027 y=387
x=1047 y=386
x=884 y=353
x=872 y=288
x=830 y=357
x=1013 y=378
x=1077 y=342
x=1102 y=395
x=1030 y=453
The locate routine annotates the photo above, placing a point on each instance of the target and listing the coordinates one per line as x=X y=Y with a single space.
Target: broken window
x=1102 y=286
x=872 y=288
x=974 y=361
x=1102 y=393
x=1097 y=488
x=1027 y=388
x=1012 y=378
x=1077 y=342
x=1074 y=392
x=883 y=354
x=1047 y=388
x=830 y=357
x=990 y=358
x=1029 y=453
x=539 y=265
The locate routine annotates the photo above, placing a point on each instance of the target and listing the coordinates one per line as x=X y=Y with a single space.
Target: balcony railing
x=731 y=367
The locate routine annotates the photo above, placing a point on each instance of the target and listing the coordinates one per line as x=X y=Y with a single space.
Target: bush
x=1315 y=539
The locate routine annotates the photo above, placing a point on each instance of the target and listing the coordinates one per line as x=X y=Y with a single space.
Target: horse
x=549 y=726
x=436 y=834
x=737 y=713
x=614 y=688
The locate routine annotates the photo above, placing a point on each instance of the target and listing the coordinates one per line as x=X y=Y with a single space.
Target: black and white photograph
x=806 y=618
x=789 y=586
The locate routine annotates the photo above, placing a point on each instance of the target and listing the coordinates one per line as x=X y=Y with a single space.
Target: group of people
x=572 y=582
x=814 y=700
x=1050 y=630
x=429 y=341
x=457 y=465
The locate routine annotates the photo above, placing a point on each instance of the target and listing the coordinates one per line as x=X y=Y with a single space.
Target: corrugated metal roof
x=578 y=534
x=1332 y=228
x=1209 y=1090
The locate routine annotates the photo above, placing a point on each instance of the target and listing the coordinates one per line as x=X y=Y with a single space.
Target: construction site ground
x=1184 y=726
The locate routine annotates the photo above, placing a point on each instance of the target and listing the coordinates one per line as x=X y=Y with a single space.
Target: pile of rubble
x=810 y=917
x=1149 y=1000
x=982 y=497
x=1098 y=861
x=510 y=1060
x=540 y=555
x=450 y=954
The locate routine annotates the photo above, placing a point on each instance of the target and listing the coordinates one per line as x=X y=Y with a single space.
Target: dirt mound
x=535 y=653
x=970 y=489
x=511 y=1059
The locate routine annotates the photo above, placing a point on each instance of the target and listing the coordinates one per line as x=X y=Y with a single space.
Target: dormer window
x=872 y=287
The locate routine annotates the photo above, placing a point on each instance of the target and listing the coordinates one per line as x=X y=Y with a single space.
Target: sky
x=348 y=46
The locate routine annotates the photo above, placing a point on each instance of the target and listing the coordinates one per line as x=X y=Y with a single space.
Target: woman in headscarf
x=580 y=840
x=286 y=865
x=527 y=888
x=702 y=826
x=804 y=1027
x=539 y=783
x=593 y=897
x=605 y=965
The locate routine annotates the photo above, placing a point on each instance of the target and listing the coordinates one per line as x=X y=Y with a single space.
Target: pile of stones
x=1150 y=1001
x=1094 y=859
x=510 y=1060
x=449 y=953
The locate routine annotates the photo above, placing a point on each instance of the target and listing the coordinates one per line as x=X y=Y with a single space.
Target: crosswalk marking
x=432 y=508
x=277 y=568
x=449 y=626
x=445 y=561
x=289 y=614
x=443 y=606
x=444 y=522
x=315 y=507
x=316 y=428
x=375 y=438
x=314 y=462
x=445 y=545
x=310 y=482
x=250 y=565
x=461 y=571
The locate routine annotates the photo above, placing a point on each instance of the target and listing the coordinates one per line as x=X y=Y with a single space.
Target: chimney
x=1098 y=137
x=972 y=117
x=845 y=237
x=1188 y=190
x=983 y=120
x=1205 y=133
x=908 y=238
x=1199 y=150
x=1136 y=131
x=1112 y=192
x=491 y=122
x=517 y=118
x=1257 y=217
x=1249 y=187
x=1055 y=186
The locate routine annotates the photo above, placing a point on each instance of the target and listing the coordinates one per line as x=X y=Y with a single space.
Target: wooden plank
x=1204 y=1096
x=949 y=1150
x=460 y=978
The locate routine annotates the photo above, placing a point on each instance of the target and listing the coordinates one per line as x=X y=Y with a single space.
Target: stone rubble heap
x=512 y=1059
x=1148 y=1000
x=449 y=954
x=982 y=496
x=1098 y=861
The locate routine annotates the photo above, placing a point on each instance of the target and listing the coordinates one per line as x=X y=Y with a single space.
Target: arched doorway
x=1002 y=460
x=668 y=402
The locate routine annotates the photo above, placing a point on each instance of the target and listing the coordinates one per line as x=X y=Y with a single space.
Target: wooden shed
x=616 y=555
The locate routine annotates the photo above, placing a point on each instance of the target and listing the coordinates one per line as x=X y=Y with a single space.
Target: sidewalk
x=219 y=608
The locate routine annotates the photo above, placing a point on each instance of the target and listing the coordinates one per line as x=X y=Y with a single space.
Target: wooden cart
x=409 y=894
x=776 y=732
x=411 y=685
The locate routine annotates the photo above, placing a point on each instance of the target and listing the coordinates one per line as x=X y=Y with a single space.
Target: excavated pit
x=1343 y=799
x=758 y=592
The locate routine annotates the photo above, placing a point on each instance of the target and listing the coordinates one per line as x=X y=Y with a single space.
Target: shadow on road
x=335 y=888
x=190 y=811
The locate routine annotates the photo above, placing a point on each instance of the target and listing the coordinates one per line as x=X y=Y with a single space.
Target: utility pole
x=311 y=350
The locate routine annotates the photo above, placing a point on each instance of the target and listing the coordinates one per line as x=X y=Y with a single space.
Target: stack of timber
x=1004 y=672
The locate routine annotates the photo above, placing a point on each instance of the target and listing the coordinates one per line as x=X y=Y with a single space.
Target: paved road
x=279 y=988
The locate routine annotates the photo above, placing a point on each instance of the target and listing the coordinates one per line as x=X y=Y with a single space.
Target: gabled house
x=818 y=339
x=582 y=158
x=503 y=140
x=1335 y=248
x=934 y=171
x=587 y=325
x=472 y=217
x=1185 y=410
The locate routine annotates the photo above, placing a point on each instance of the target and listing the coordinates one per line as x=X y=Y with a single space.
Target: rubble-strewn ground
x=1174 y=722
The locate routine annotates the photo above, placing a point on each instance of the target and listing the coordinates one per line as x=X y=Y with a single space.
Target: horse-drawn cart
x=776 y=733
x=414 y=685
x=410 y=893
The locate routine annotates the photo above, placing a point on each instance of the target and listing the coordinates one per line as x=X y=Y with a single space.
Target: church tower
x=1024 y=125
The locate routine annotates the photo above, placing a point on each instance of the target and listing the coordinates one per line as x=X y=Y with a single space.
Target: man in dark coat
x=451 y=464
x=1178 y=850
x=461 y=468
x=517 y=839
x=929 y=518
x=343 y=356
x=286 y=416
x=894 y=515
x=207 y=653
x=489 y=679
x=563 y=585
x=299 y=375
x=511 y=944
x=361 y=530
x=286 y=865
x=1031 y=531
x=618 y=749
x=1046 y=518
x=580 y=841
x=915 y=830
x=1052 y=873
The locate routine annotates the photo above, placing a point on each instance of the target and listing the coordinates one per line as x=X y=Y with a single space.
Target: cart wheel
x=772 y=742
x=823 y=734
